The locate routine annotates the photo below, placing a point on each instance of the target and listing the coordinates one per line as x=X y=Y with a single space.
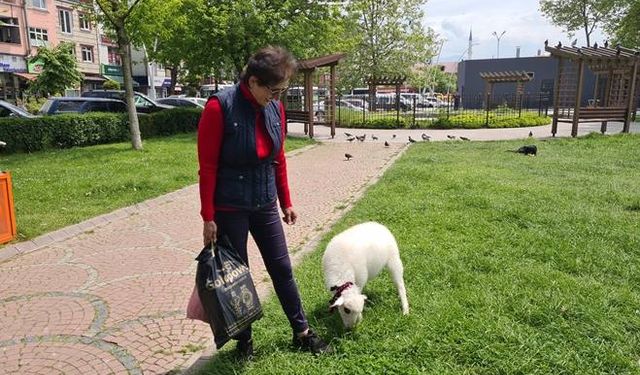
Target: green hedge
x=478 y=120
x=73 y=130
x=471 y=120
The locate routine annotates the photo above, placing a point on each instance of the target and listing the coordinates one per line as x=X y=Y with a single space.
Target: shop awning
x=94 y=78
x=27 y=76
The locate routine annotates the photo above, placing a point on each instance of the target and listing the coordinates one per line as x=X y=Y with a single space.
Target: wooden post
x=632 y=99
x=556 y=98
x=332 y=100
x=397 y=105
x=595 y=91
x=576 y=109
x=308 y=101
x=607 y=96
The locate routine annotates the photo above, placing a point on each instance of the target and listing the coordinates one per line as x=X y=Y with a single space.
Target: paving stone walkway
x=108 y=296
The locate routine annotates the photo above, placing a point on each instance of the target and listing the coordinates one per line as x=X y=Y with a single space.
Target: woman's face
x=263 y=94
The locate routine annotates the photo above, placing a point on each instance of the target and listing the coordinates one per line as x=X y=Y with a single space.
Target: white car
x=350 y=104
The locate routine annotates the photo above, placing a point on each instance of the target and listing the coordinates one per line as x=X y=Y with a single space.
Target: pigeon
x=349 y=135
x=425 y=137
x=411 y=140
x=530 y=134
x=394 y=136
x=351 y=139
x=527 y=150
x=451 y=136
x=386 y=144
x=361 y=138
x=348 y=156
x=464 y=138
x=374 y=137
x=575 y=41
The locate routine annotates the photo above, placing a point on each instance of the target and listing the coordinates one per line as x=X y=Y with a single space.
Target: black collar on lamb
x=338 y=291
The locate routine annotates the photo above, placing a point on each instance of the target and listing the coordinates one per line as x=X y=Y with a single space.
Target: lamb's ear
x=338 y=302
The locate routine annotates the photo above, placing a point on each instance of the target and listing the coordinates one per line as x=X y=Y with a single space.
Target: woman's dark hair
x=270 y=65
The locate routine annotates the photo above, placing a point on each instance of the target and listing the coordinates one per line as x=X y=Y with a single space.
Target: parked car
x=183 y=101
x=143 y=103
x=387 y=102
x=9 y=110
x=61 y=105
x=320 y=109
x=420 y=100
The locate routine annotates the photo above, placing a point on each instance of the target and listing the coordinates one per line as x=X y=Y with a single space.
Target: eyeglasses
x=277 y=91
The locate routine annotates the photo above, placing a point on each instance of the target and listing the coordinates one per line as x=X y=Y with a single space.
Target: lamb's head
x=350 y=305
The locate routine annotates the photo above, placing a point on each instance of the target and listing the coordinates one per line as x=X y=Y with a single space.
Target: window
x=38 y=4
x=85 y=22
x=87 y=53
x=114 y=56
x=38 y=37
x=9 y=30
x=65 y=20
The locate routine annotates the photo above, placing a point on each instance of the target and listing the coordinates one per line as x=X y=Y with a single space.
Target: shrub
x=72 y=130
x=476 y=120
x=110 y=84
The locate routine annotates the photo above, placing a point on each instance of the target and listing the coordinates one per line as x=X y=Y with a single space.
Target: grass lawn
x=513 y=265
x=57 y=188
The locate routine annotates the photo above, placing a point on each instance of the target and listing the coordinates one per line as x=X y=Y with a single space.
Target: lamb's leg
x=396 y=270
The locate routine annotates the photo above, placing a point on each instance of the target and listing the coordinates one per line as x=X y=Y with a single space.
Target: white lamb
x=354 y=257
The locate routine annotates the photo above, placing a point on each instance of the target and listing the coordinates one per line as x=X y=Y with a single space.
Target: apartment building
x=14 y=46
x=75 y=26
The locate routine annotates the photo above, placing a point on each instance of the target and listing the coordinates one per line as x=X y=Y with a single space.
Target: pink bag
x=195 y=309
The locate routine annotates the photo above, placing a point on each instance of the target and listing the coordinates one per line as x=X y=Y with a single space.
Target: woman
x=243 y=170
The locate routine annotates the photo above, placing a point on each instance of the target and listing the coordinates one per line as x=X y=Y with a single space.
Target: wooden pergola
x=616 y=90
x=308 y=68
x=520 y=78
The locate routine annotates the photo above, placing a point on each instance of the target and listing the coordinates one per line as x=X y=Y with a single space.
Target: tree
x=224 y=35
x=161 y=28
x=388 y=38
x=433 y=78
x=116 y=15
x=626 y=28
x=573 y=15
x=60 y=70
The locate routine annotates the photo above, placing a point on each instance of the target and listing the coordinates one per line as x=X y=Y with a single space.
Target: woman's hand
x=290 y=215
x=209 y=232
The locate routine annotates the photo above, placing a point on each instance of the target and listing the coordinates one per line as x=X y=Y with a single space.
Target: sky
x=521 y=19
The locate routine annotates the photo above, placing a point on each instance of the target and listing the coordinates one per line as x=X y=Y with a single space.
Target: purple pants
x=266 y=229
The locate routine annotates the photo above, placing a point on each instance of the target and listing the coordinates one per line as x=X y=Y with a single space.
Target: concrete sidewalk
x=108 y=296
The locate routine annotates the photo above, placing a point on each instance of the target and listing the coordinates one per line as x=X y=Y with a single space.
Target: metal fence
x=414 y=110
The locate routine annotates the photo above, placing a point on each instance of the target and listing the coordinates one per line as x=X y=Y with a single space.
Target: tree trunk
x=134 y=127
x=174 y=80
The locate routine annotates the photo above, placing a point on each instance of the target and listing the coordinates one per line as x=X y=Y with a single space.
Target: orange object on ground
x=7 y=213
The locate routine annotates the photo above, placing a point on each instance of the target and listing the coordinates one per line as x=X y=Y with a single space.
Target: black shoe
x=244 y=350
x=312 y=343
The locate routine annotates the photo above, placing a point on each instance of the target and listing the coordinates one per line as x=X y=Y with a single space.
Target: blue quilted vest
x=243 y=180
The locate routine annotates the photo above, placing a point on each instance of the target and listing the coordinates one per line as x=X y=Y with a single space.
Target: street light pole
x=498 y=37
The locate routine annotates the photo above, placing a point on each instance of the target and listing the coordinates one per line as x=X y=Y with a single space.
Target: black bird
x=349 y=135
x=451 y=136
x=386 y=144
x=348 y=156
x=425 y=137
x=412 y=140
x=527 y=150
x=394 y=136
x=530 y=134
x=351 y=139
x=374 y=137
x=464 y=138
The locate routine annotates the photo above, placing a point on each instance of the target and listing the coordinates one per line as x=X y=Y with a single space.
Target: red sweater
x=210 y=132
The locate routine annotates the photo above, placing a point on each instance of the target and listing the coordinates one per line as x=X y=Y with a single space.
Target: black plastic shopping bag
x=226 y=290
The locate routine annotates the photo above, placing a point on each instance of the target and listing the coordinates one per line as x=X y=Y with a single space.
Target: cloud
x=524 y=25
